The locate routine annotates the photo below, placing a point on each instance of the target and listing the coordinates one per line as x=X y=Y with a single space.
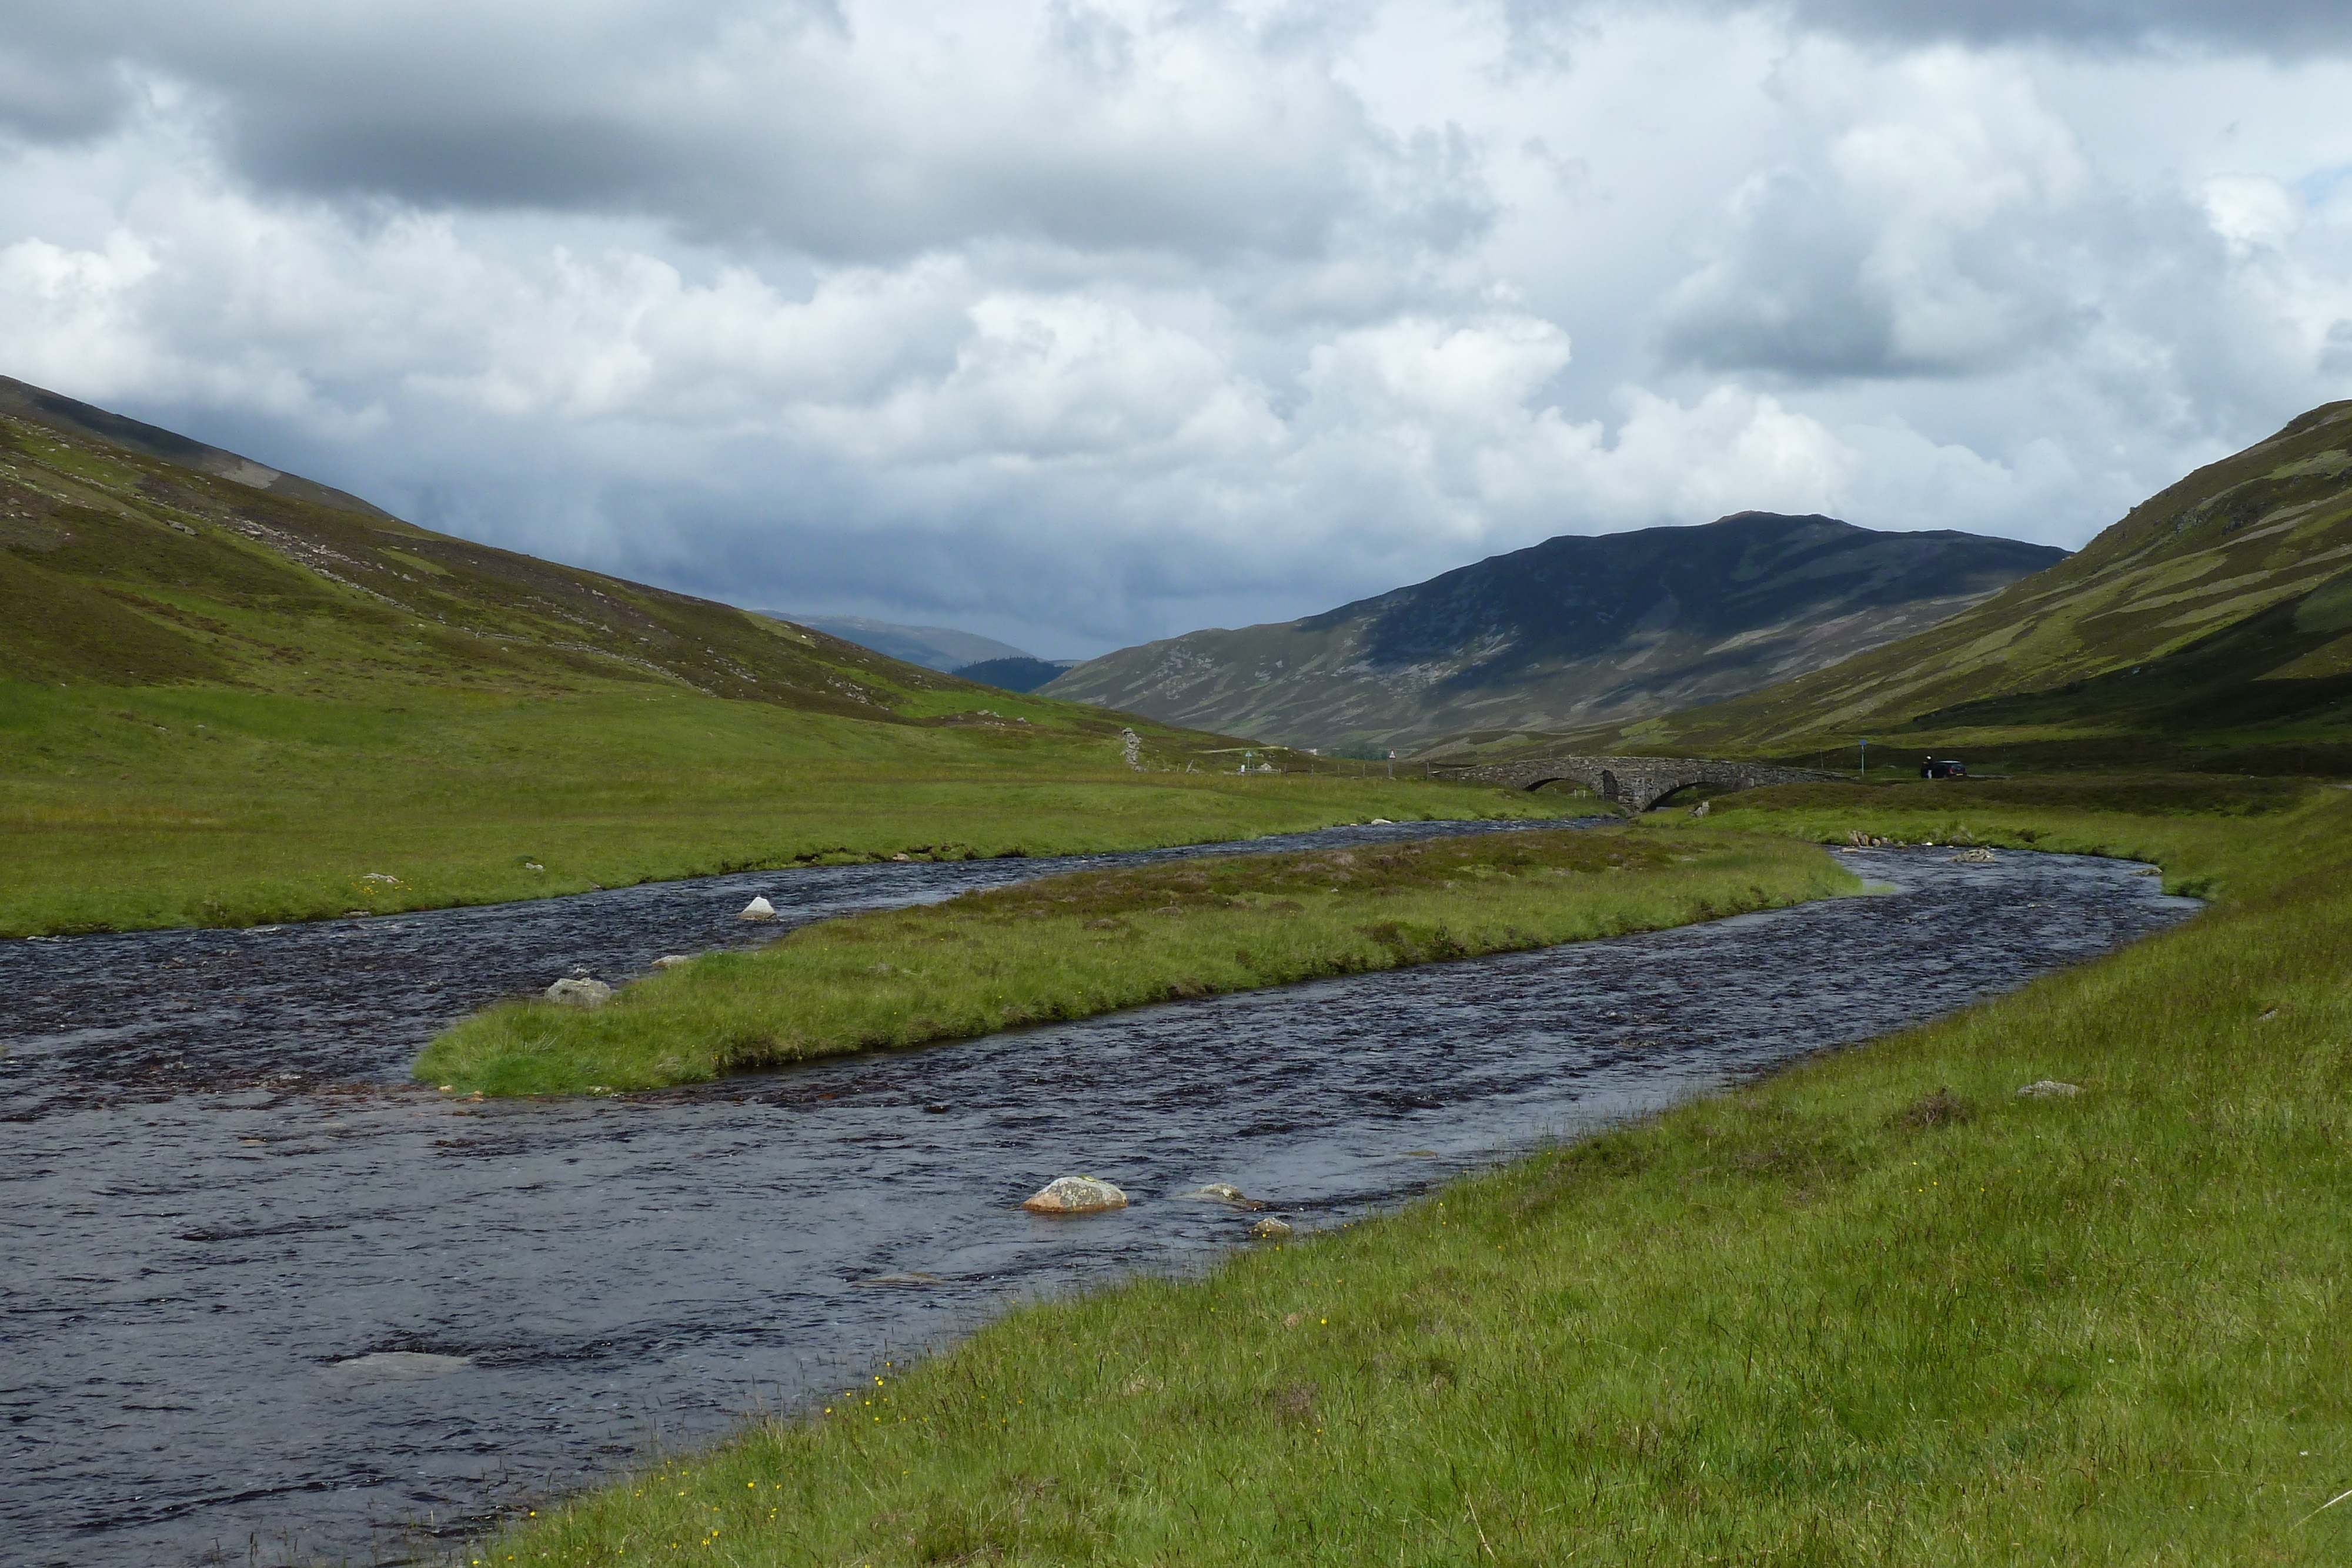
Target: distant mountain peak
x=934 y=647
x=1576 y=629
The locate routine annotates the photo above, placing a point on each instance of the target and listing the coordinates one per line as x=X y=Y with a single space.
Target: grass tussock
x=1072 y=946
x=1833 y=1319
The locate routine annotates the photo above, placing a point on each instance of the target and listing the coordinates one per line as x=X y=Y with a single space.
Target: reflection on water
x=263 y=1298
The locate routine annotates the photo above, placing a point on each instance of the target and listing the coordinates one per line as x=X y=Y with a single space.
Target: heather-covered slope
x=157 y=564
x=1568 y=631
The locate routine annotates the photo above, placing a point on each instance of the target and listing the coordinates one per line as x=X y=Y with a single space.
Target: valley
x=1562 y=1129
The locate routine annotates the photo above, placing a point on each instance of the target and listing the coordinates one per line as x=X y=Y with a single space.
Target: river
x=267 y=1302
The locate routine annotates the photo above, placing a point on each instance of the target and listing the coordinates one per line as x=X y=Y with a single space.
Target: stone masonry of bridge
x=1637 y=783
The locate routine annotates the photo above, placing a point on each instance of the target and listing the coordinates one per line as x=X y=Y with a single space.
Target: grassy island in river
x=1074 y=945
x=1874 y=1309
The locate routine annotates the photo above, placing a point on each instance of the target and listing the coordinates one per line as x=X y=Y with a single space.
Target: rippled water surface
x=264 y=1300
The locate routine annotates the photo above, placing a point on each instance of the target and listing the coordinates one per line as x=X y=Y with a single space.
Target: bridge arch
x=1636 y=783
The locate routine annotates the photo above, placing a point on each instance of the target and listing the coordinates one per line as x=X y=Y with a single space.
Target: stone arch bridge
x=1636 y=783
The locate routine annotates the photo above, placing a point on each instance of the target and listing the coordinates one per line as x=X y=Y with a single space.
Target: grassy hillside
x=2220 y=609
x=127 y=568
x=230 y=695
x=1572 y=630
x=1878 y=1308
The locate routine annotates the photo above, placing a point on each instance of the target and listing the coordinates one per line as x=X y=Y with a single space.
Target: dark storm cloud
x=44 y=99
x=2268 y=26
x=774 y=122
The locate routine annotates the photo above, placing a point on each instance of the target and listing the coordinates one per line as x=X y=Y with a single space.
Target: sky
x=1080 y=324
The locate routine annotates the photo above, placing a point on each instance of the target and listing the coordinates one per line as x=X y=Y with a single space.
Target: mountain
x=1022 y=673
x=131 y=556
x=933 y=647
x=1571 y=632
x=2220 y=605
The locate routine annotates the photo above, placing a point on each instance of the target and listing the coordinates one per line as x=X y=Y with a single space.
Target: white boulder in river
x=1075 y=1194
x=580 y=993
x=758 y=909
x=399 y=1364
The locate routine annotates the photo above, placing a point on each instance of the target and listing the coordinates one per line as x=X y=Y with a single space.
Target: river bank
x=2057 y=1279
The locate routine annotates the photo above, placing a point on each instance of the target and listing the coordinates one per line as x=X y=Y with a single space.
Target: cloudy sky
x=1079 y=323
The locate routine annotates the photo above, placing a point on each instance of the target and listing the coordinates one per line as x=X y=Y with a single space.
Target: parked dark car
x=1943 y=769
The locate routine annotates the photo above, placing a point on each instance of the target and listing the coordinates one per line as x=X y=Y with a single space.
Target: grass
x=1874 y=1309
x=124 y=809
x=1073 y=946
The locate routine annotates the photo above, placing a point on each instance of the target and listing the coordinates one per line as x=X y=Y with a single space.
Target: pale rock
x=1075 y=1194
x=673 y=960
x=758 y=909
x=579 y=993
x=401 y=1365
x=1973 y=857
x=1271 y=1229
x=912 y=1279
x=1226 y=1193
x=2049 y=1089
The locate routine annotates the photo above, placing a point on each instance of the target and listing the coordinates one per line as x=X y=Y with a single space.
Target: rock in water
x=758 y=909
x=1076 y=1195
x=579 y=993
x=400 y=1364
x=1270 y=1229
x=1226 y=1193
x=913 y=1278
x=672 y=960
x=1973 y=857
x=2049 y=1089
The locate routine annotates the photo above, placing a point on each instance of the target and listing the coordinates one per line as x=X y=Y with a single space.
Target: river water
x=266 y=1301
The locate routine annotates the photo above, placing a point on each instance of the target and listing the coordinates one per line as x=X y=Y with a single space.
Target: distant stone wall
x=1636 y=783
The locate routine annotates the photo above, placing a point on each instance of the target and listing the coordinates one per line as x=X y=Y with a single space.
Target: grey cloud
x=2268 y=26
x=2282 y=29
x=736 y=121
x=1809 y=278
x=53 y=100
x=2336 y=354
x=1786 y=294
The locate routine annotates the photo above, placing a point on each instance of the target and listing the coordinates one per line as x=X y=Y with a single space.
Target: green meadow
x=1877 y=1309
x=129 y=808
x=1072 y=946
